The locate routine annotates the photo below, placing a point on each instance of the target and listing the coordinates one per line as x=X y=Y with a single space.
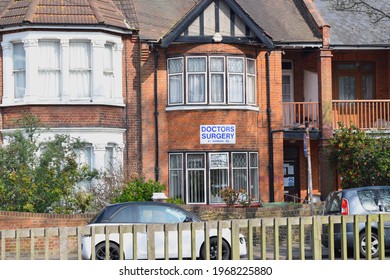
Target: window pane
x=286 y=87
x=217 y=88
x=175 y=66
x=254 y=176
x=236 y=65
x=196 y=178
x=196 y=64
x=240 y=171
x=368 y=87
x=369 y=200
x=109 y=158
x=49 y=68
x=196 y=88
x=251 y=89
x=176 y=176
x=347 y=88
x=80 y=69
x=175 y=89
x=236 y=88
x=108 y=70
x=251 y=67
x=19 y=65
x=218 y=181
x=217 y=64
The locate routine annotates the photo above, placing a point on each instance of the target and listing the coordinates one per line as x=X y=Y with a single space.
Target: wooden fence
x=266 y=238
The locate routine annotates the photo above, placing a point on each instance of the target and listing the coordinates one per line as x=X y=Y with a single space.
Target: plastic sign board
x=218 y=134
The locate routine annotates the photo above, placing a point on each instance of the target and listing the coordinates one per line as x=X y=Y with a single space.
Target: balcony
x=297 y=115
x=364 y=114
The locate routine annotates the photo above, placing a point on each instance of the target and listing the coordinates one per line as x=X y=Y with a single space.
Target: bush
x=139 y=190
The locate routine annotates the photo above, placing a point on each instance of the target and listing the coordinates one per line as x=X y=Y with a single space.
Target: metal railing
x=266 y=238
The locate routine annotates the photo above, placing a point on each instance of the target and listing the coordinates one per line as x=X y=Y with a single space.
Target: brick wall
x=15 y=220
x=179 y=130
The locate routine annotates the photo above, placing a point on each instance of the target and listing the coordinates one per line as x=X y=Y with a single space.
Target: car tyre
x=114 y=251
x=374 y=245
x=214 y=249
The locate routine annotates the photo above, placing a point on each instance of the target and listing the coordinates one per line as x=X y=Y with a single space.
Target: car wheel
x=374 y=245
x=214 y=250
x=113 y=251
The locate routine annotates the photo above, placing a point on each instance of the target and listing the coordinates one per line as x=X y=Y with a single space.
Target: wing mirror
x=188 y=220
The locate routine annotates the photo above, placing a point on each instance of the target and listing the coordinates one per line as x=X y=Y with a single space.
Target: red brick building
x=200 y=95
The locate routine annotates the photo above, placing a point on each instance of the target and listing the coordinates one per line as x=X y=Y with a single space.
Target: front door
x=291 y=181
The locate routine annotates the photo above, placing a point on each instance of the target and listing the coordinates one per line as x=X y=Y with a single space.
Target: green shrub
x=139 y=190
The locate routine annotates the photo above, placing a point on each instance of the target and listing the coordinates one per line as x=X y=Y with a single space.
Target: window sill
x=67 y=103
x=212 y=107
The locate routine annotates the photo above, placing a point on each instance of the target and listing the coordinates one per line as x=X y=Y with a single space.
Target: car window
x=369 y=200
x=126 y=214
x=385 y=196
x=333 y=204
x=154 y=214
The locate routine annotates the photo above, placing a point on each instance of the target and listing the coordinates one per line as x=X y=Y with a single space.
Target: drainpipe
x=270 y=134
x=156 y=166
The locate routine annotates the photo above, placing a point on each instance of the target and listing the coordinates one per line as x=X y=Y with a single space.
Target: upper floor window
x=47 y=67
x=354 y=80
x=211 y=80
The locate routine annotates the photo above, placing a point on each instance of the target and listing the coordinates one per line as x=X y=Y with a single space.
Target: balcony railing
x=364 y=114
x=298 y=114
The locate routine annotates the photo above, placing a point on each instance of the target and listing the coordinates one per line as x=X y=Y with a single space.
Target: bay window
x=19 y=69
x=211 y=80
x=61 y=67
x=206 y=174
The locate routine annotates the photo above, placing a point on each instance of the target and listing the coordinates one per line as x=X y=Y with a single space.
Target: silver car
x=153 y=213
x=358 y=201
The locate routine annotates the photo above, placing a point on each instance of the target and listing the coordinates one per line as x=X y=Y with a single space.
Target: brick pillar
x=327 y=171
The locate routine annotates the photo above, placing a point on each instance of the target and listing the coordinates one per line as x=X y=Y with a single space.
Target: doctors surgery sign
x=218 y=134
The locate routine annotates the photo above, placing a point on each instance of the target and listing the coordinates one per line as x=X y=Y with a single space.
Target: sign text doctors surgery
x=218 y=134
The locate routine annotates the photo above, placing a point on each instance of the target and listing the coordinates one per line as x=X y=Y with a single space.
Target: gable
x=217 y=21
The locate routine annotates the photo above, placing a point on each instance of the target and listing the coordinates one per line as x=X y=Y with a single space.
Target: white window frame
x=250 y=177
x=198 y=169
x=218 y=168
x=109 y=71
x=236 y=74
x=14 y=71
x=248 y=75
x=181 y=170
x=182 y=80
x=32 y=94
x=218 y=73
x=289 y=73
x=240 y=168
x=188 y=73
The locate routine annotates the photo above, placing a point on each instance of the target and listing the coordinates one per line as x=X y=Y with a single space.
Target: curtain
x=196 y=88
x=108 y=70
x=236 y=88
x=176 y=176
x=49 y=69
x=347 y=88
x=175 y=74
x=217 y=88
x=80 y=69
x=19 y=67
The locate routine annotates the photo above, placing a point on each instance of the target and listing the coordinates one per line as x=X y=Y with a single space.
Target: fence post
x=235 y=240
x=63 y=243
x=316 y=237
x=381 y=235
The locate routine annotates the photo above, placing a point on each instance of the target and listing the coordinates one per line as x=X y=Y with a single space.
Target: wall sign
x=218 y=134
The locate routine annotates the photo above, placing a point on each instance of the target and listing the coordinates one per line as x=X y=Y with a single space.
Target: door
x=291 y=181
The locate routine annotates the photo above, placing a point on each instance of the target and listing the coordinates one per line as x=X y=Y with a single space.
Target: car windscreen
x=333 y=204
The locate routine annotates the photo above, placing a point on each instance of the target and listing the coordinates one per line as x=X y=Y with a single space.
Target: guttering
x=305 y=45
x=360 y=47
